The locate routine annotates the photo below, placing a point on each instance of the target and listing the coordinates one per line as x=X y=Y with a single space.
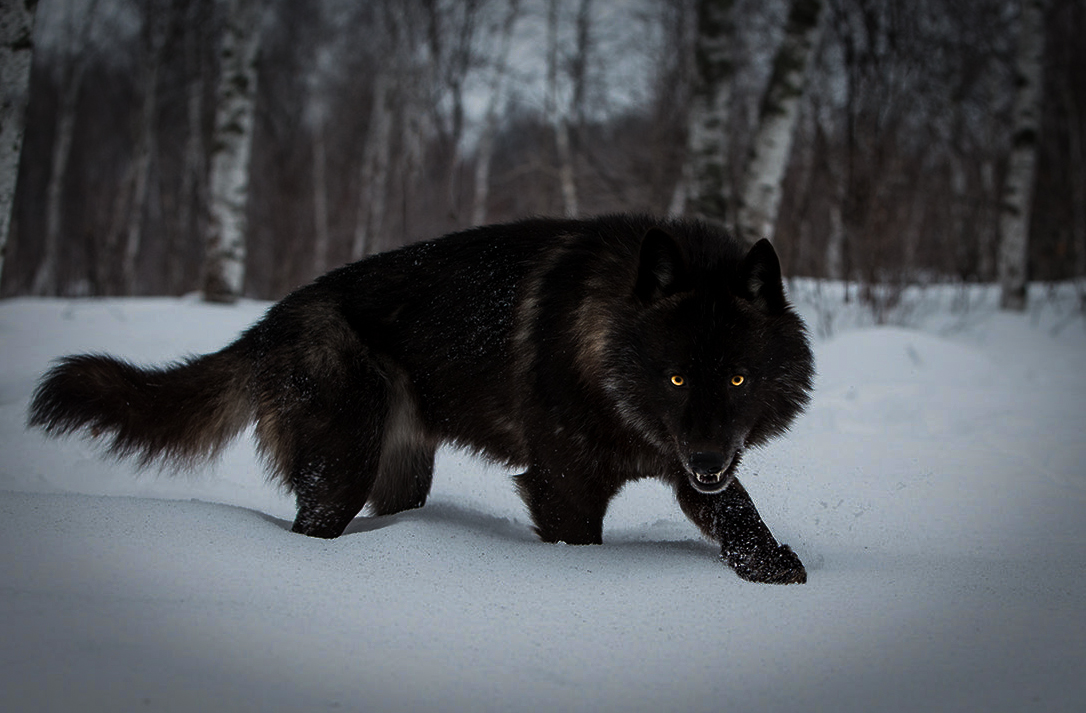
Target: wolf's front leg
x=565 y=507
x=746 y=544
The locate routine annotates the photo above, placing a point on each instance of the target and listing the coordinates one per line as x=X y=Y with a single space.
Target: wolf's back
x=178 y=415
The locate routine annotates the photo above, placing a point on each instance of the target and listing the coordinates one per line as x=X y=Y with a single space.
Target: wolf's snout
x=707 y=463
x=710 y=472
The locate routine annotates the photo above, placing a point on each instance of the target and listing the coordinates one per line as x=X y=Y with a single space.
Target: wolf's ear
x=661 y=270
x=759 y=278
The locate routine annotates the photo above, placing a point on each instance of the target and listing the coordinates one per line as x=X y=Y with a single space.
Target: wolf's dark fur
x=591 y=353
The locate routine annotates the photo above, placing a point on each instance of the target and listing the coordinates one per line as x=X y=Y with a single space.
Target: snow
x=936 y=490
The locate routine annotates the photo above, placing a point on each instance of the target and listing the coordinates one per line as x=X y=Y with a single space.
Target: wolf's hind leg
x=325 y=439
x=561 y=511
x=331 y=488
x=404 y=479
x=406 y=469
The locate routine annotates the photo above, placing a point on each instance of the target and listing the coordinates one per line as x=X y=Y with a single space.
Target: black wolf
x=589 y=352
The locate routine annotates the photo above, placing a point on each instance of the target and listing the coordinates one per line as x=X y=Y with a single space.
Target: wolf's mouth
x=715 y=478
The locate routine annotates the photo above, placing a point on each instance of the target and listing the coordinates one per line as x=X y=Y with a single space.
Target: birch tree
x=1018 y=188
x=16 y=49
x=761 y=191
x=704 y=180
x=224 y=255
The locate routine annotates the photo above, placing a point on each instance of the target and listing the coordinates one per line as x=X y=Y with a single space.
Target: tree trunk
x=375 y=167
x=458 y=65
x=415 y=91
x=578 y=63
x=73 y=66
x=558 y=119
x=224 y=267
x=484 y=152
x=1018 y=188
x=415 y=132
x=706 y=168
x=322 y=239
x=192 y=198
x=761 y=193
x=45 y=277
x=964 y=260
x=16 y=49
x=566 y=176
x=156 y=26
x=1078 y=188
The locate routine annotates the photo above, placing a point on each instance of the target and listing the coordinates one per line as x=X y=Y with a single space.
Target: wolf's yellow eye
x=677 y=379
x=738 y=380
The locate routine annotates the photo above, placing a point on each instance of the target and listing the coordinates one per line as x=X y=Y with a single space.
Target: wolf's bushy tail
x=178 y=416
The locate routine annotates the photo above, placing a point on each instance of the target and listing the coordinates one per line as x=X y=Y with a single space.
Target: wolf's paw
x=776 y=566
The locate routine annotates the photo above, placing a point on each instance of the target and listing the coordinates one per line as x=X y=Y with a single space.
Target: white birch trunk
x=761 y=192
x=1018 y=189
x=375 y=169
x=224 y=267
x=705 y=193
x=484 y=152
x=16 y=49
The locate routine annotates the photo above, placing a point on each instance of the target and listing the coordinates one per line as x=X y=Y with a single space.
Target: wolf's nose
x=707 y=463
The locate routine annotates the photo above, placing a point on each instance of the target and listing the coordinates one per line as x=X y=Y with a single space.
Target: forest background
x=891 y=142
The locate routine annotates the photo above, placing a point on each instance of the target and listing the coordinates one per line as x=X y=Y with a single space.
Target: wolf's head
x=715 y=360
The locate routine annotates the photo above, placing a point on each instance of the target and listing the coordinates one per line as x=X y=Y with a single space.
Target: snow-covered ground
x=936 y=490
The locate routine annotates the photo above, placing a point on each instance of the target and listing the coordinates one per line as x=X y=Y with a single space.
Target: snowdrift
x=936 y=491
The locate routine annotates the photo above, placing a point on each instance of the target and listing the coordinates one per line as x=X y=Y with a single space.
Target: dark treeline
x=372 y=120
